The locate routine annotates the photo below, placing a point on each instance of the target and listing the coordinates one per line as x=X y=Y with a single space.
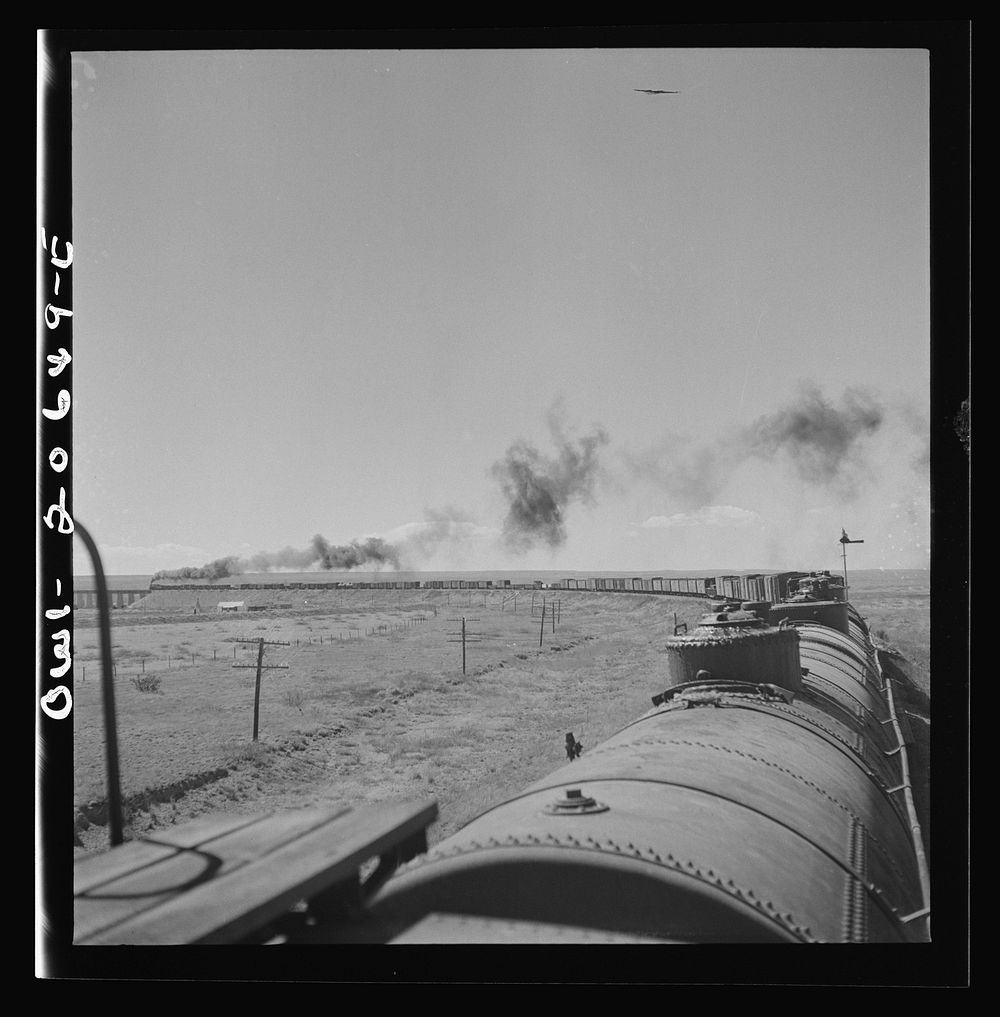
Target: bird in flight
x=655 y=91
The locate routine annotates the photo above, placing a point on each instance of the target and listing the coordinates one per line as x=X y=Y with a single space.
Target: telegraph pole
x=464 y=636
x=844 y=541
x=260 y=666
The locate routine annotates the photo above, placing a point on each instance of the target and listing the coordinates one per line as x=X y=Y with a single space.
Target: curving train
x=764 y=797
x=752 y=587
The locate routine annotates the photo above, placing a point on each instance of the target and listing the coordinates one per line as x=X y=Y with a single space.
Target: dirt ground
x=378 y=709
x=362 y=699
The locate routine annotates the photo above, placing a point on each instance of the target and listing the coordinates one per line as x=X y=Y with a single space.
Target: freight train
x=754 y=587
x=764 y=797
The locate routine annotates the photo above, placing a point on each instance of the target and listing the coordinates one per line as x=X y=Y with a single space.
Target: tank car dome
x=735 y=646
x=832 y=613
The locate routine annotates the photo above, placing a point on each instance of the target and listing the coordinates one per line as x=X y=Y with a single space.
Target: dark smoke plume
x=374 y=550
x=823 y=444
x=538 y=489
x=321 y=555
x=821 y=441
x=218 y=569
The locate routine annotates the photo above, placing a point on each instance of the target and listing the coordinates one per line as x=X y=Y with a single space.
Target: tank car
x=757 y=801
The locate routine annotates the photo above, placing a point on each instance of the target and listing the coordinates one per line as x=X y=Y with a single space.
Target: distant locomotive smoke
x=821 y=441
x=538 y=489
x=218 y=569
x=374 y=550
x=447 y=526
x=320 y=555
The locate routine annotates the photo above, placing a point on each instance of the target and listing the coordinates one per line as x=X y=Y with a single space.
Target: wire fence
x=241 y=644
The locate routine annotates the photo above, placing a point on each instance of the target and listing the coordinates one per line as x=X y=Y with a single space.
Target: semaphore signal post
x=844 y=541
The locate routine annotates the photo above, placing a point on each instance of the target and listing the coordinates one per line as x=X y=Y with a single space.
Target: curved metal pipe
x=108 y=690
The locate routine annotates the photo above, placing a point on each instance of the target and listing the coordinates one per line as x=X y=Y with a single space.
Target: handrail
x=108 y=690
x=911 y=810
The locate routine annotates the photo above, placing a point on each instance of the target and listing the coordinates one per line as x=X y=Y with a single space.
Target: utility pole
x=260 y=666
x=464 y=637
x=844 y=541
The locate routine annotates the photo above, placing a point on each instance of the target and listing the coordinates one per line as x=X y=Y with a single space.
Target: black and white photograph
x=489 y=486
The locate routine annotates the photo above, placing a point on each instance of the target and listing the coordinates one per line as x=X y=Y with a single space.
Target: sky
x=498 y=309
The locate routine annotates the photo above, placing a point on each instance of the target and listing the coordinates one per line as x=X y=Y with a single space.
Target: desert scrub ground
x=363 y=699
x=369 y=702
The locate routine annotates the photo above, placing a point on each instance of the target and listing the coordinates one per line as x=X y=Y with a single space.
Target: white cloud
x=710 y=515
